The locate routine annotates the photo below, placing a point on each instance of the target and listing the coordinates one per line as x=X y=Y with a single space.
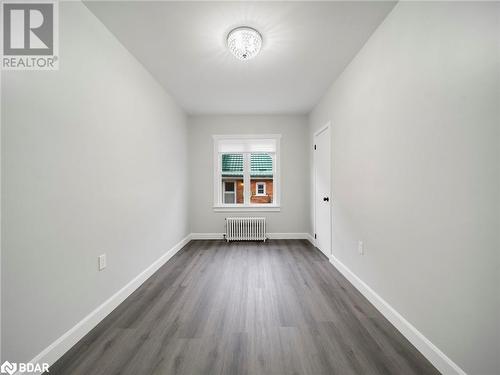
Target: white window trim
x=263 y=184
x=217 y=181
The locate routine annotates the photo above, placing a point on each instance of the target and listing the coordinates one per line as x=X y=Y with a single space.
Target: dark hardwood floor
x=245 y=308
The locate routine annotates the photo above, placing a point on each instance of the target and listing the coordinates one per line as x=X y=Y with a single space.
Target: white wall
x=293 y=217
x=93 y=161
x=416 y=172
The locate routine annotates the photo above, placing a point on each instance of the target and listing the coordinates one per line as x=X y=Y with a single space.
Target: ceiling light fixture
x=244 y=42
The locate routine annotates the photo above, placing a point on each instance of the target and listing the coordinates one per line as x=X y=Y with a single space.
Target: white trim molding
x=430 y=351
x=271 y=236
x=65 y=342
x=207 y=236
x=242 y=208
x=287 y=236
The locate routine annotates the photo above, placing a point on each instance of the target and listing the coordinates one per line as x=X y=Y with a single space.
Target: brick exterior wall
x=268 y=198
x=239 y=191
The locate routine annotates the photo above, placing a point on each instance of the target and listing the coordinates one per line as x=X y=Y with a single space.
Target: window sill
x=242 y=208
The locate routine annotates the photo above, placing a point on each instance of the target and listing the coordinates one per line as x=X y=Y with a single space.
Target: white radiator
x=245 y=229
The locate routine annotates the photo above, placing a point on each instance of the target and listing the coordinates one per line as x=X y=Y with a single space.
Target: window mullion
x=246 y=178
x=276 y=178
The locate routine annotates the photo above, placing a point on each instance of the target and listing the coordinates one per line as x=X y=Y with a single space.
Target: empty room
x=250 y=188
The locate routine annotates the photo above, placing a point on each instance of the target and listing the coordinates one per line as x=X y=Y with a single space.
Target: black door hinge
x=315 y=147
x=315 y=236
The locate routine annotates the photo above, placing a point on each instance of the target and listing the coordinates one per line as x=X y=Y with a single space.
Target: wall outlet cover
x=361 y=248
x=102 y=262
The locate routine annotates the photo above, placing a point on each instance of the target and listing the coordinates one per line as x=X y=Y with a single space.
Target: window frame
x=218 y=204
x=263 y=184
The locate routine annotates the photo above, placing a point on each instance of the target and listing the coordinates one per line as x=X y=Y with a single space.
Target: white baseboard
x=56 y=350
x=287 y=236
x=273 y=236
x=207 y=236
x=310 y=238
x=443 y=363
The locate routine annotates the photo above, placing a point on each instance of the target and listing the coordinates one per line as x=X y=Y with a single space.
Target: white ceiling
x=306 y=46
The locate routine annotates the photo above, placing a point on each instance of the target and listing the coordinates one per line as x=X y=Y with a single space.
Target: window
x=260 y=188
x=246 y=173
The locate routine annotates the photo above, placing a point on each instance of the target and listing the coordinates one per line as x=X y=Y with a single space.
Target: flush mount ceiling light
x=244 y=42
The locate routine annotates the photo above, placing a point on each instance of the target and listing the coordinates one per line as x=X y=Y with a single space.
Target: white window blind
x=246 y=145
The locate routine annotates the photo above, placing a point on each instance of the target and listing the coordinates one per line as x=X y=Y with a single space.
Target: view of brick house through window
x=261 y=178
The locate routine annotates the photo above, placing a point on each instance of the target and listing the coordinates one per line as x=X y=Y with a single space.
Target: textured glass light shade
x=244 y=42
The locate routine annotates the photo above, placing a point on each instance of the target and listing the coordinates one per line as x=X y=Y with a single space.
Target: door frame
x=316 y=133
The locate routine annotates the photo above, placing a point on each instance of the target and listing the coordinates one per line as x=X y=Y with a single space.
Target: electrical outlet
x=361 y=248
x=102 y=261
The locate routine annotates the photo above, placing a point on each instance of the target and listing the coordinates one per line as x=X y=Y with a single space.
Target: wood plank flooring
x=245 y=308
